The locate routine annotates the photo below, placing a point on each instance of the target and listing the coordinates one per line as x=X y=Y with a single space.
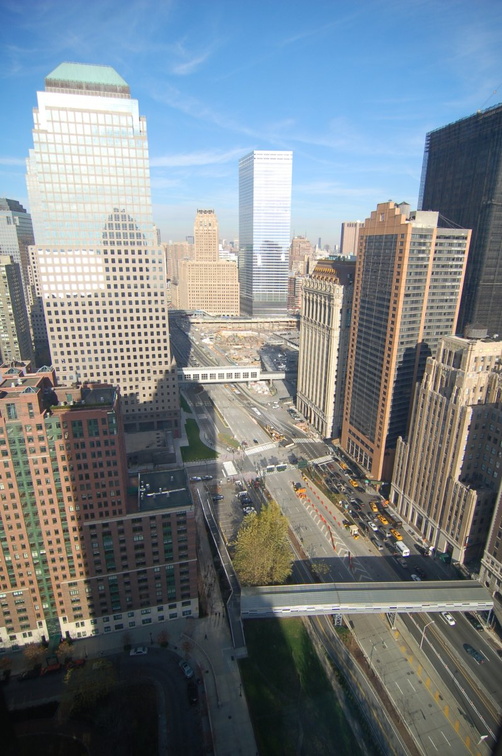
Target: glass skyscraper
x=264 y=231
x=462 y=180
x=100 y=271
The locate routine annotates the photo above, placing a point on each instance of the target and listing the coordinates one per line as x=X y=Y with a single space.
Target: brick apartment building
x=84 y=549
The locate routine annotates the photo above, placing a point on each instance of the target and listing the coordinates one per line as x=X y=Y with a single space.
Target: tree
x=262 y=553
x=34 y=653
x=86 y=686
x=64 y=651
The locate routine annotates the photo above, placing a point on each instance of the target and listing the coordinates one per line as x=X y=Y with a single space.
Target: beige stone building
x=206 y=282
x=408 y=281
x=447 y=473
x=324 y=337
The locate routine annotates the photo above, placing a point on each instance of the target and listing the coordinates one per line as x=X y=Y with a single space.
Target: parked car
x=195 y=478
x=192 y=692
x=479 y=658
x=186 y=669
x=75 y=663
x=218 y=497
x=416 y=578
x=28 y=674
x=473 y=620
x=138 y=651
x=51 y=668
x=207 y=477
x=448 y=618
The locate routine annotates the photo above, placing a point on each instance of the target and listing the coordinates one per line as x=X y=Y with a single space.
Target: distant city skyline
x=347 y=89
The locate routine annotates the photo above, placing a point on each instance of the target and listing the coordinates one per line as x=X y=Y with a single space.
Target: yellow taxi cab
x=397 y=535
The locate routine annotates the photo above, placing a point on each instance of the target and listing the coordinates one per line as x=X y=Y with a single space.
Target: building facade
x=207 y=283
x=349 y=238
x=16 y=235
x=265 y=178
x=462 y=180
x=409 y=275
x=300 y=254
x=490 y=573
x=324 y=340
x=101 y=274
x=81 y=554
x=15 y=332
x=447 y=472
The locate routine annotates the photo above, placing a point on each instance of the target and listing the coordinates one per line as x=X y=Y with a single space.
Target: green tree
x=262 y=553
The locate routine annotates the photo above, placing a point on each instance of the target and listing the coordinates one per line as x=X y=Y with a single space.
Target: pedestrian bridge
x=226 y=374
x=364 y=598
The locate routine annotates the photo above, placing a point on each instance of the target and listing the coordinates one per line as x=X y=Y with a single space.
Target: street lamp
x=423 y=632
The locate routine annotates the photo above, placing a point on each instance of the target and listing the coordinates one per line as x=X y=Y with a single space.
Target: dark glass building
x=462 y=179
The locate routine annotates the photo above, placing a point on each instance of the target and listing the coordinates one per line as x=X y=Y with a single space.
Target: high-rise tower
x=100 y=271
x=264 y=231
x=462 y=180
x=409 y=276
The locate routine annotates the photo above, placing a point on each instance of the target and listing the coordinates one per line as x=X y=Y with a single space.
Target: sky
x=351 y=88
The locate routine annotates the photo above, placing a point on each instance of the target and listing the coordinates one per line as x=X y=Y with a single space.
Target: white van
x=402 y=548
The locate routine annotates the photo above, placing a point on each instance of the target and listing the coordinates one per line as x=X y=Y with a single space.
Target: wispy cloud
x=12 y=161
x=202 y=157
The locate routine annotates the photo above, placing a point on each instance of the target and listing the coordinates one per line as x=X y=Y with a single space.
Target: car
x=255 y=440
x=195 y=478
x=248 y=510
x=474 y=621
x=397 y=535
x=416 y=578
x=383 y=519
x=28 y=674
x=377 y=544
x=381 y=534
x=138 y=651
x=218 y=497
x=207 y=477
x=421 y=574
x=389 y=545
x=373 y=506
x=186 y=669
x=448 y=618
x=192 y=692
x=479 y=658
x=373 y=526
x=402 y=562
x=75 y=663
x=51 y=668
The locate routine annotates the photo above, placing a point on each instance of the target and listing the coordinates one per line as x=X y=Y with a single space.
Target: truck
x=402 y=548
x=300 y=490
x=353 y=529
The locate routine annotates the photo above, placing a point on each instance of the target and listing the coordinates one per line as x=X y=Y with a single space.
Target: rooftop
x=166 y=489
x=86 y=77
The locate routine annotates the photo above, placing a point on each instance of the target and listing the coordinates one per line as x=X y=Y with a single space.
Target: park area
x=293 y=706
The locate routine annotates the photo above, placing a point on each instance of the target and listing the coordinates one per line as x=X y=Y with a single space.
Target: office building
x=16 y=235
x=349 y=238
x=490 y=573
x=324 y=340
x=101 y=274
x=208 y=283
x=264 y=231
x=408 y=279
x=462 y=180
x=81 y=553
x=448 y=471
x=15 y=334
x=300 y=254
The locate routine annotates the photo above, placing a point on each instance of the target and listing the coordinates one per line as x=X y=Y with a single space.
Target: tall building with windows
x=349 y=238
x=16 y=235
x=462 y=180
x=324 y=339
x=100 y=270
x=265 y=178
x=208 y=283
x=448 y=470
x=409 y=275
x=80 y=554
x=15 y=334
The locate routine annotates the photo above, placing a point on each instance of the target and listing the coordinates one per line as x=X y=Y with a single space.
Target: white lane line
x=432 y=742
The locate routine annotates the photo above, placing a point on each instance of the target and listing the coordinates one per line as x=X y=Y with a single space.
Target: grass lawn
x=196 y=449
x=292 y=704
x=184 y=405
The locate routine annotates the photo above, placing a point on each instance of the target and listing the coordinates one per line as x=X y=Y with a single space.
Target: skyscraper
x=101 y=274
x=324 y=338
x=264 y=231
x=409 y=275
x=206 y=282
x=349 y=238
x=16 y=235
x=15 y=336
x=448 y=471
x=462 y=180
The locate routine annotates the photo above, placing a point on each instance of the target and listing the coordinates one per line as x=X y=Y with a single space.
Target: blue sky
x=351 y=88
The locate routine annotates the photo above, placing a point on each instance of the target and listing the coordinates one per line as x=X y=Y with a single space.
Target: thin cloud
x=12 y=161
x=203 y=157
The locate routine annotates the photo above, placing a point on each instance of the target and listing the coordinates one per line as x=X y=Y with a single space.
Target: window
x=11 y=412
